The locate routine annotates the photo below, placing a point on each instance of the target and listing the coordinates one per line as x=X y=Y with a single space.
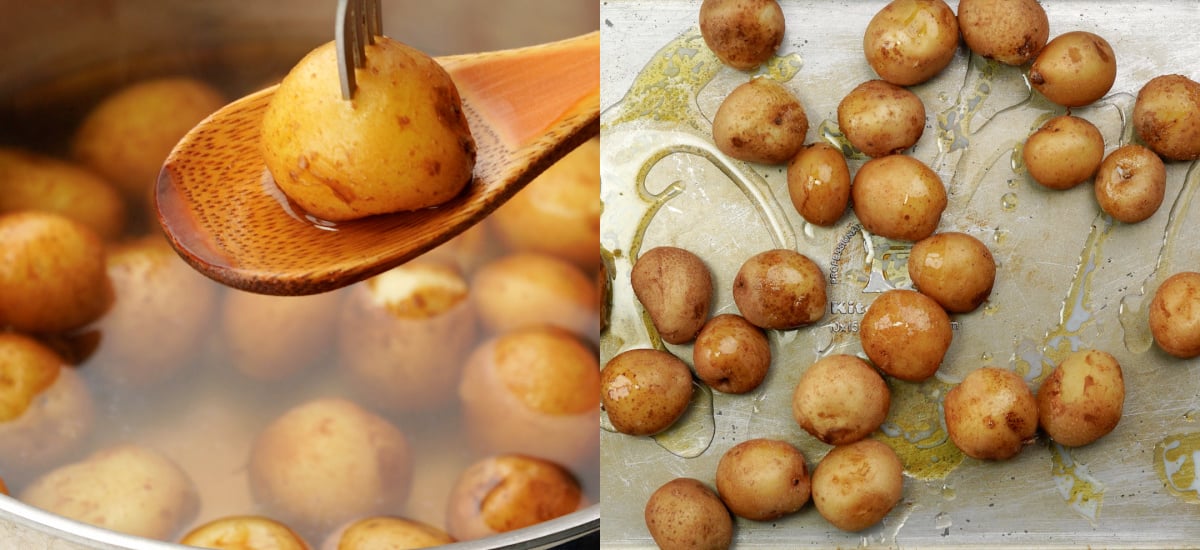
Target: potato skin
x=675 y=287
x=1131 y=183
x=1009 y=31
x=854 y=486
x=898 y=197
x=302 y=329
x=742 y=33
x=760 y=121
x=1166 y=115
x=763 y=479
x=32 y=181
x=506 y=492
x=991 y=414
x=1074 y=69
x=840 y=399
x=955 y=269
x=780 y=289
x=244 y=532
x=684 y=514
x=731 y=355
x=904 y=56
x=529 y=289
x=644 y=391
x=1064 y=152
x=1082 y=399
x=819 y=183
x=906 y=334
x=406 y=117
x=1175 y=315
x=386 y=533
x=880 y=118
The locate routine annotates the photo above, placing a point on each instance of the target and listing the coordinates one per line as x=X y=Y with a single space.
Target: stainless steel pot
x=58 y=58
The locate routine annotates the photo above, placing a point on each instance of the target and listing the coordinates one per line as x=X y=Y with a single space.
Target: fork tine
x=373 y=14
x=346 y=37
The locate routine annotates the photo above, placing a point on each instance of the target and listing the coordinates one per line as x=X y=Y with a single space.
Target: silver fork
x=358 y=23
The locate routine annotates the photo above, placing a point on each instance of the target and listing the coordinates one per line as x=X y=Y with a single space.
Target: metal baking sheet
x=1068 y=277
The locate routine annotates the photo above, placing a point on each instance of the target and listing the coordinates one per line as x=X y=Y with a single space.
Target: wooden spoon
x=222 y=212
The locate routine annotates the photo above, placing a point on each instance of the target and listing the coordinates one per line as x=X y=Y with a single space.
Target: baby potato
x=1082 y=399
x=1063 y=152
x=760 y=121
x=244 y=533
x=404 y=335
x=52 y=276
x=32 y=181
x=840 y=399
x=534 y=391
x=909 y=41
x=386 y=533
x=1131 y=183
x=128 y=135
x=1166 y=115
x=506 y=492
x=1009 y=31
x=780 y=289
x=906 y=334
x=1074 y=69
x=527 y=289
x=854 y=486
x=126 y=488
x=763 y=479
x=898 y=197
x=880 y=118
x=644 y=391
x=406 y=117
x=327 y=461
x=1175 y=315
x=684 y=514
x=558 y=213
x=742 y=33
x=955 y=269
x=675 y=287
x=159 y=299
x=991 y=414
x=731 y=355
x=819 y=183
x=46 y=409
x=274 y=337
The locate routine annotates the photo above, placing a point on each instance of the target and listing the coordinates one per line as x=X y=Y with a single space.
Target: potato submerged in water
x=402 y=143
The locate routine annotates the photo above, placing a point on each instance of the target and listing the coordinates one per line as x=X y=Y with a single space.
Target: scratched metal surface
x=1069 y=277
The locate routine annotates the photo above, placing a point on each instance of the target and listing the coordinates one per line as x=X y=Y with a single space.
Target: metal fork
x=358 y=23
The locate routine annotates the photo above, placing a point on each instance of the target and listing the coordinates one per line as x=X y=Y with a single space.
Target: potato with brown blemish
x=406 y=120
x=1082 y=399
x=763 y=479
x=33 y=181
x=856 y=485
x=1174 y=317
x=1074 y=69
x=675 y=287
x=955 y=269
x=1009 y=31
x=1166 y=115
x=780 y=289
x=898 y=197
x=685 y=514
x=1131 y=183
x=506 y=492
x=644 y=391
x=991 y=414
x=819 y=183
x=529 y=289
x=760 y=121
x=244 y=533
x=386 y=533
x=840 y=399
x=731 y=355
x=1064 y=152
x=880 y=118
x=742 y=33
x=906 y=334
x=909 y=41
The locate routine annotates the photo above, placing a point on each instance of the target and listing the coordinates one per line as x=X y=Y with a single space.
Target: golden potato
x=274 y=337
x=780 y=289
x=675 y=287
x=1009 y=31
x=32 y=181
x=955 y=269
x=991 y=414
x=1074 y=69
x=1082 y=399
x=1175 y=315
x=558 y=213
x=406 y=117
x=880 y=118
x=52 y=276
x=909 y=41
x=506 y=492
x=760 y=121
x=684 y=514
x=126 y=488
x=244 y=533
x=840 y=399
x=819 y=183
x=898 y=197
x=855 y=486
x=1063 y=152
x=742 y=33
x=386 y=533
x=534 y=391
x=529 y=289
x=129 y=134
x=404 y=335
x=327 y=461
x=644 y=391
x=1131 y=183
x=906 y=334
x=1166 y=115
x=763 y=479
x=731 y=355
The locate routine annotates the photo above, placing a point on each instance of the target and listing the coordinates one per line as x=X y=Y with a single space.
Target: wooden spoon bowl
x=221 y=210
